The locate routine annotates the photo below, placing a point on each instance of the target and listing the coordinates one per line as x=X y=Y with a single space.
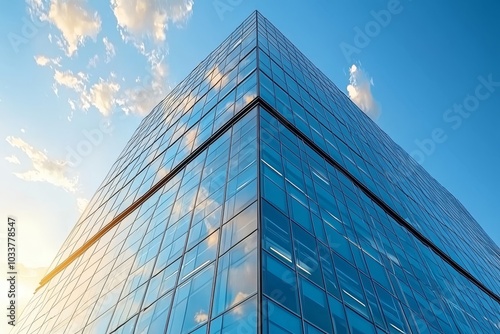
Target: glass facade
x=257 y=198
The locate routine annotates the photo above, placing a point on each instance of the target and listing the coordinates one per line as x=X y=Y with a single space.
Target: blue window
x=239 y=227
x=241 y=191
x=358 y=324
x=372 y=300
x=274 y=194
x=352 y=291
x=314 y=305
x=153 y=319
x=378 y=273
x=240 y=319
x=279 y=282
x=338 y=243
x=306 y=255
x=319 y=230
x=236 y=275
x=162 y=282
x=276 y=233
x=338 y=315
x=201 y=255
x=391 y=310
x=277 y=320
x=192 y=302
x=328 y=270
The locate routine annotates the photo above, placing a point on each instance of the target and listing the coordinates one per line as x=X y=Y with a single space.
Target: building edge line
x=426 y=241
x=115 y=221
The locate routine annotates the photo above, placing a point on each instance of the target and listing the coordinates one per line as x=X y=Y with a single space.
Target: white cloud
x=37 y=8
x=215 y=76
x=44 y=169
x=93 y=61
x=138 y=18
x=145 y=24
x=142 y=98
x=360 y=92
x=101 y=95
x=70 y=80
x=240 y=296
x=13 y=160
x=200 y=317
x=110 y=49
x=190 y=136
x=82 y=204
x=72 y=17
x=72 y=104
x=44 y=61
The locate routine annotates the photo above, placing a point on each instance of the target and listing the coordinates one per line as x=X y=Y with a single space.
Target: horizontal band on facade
x=380 y=202
x=73 y=256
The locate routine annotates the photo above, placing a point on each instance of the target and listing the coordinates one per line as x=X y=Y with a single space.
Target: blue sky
x=79 y=75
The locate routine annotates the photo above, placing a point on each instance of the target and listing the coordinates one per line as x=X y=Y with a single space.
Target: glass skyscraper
x=257 y=198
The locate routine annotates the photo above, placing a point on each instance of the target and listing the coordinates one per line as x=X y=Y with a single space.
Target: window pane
x=328 y=270
x=205 y=226
x=276 y=233
x=274 y=194
x=241 y=319
x=279 y=282
x=236 y=275
x=239 y=227
x=200 y=255
x=314 y=305
x=306 y=255
x=338 y=315
x=352 y=291
x=277 y=320
x=372 y=300
x=391 y=310
x=153 y=319
x=192 y=303
x=358 y=324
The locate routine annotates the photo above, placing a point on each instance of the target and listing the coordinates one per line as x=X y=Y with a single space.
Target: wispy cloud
x=81 y=203
x=13 y=160
x=150 y=89
x=240 y=296
x=360 y=92
x=74 y=20
x=215 y=75
x=200 y=317
x=44 y=168
x=44 y=61
x=101 y=95
x=139 y=18
x=93 y=61
x=70 y=80
x=143 y=23
x=110 y=49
